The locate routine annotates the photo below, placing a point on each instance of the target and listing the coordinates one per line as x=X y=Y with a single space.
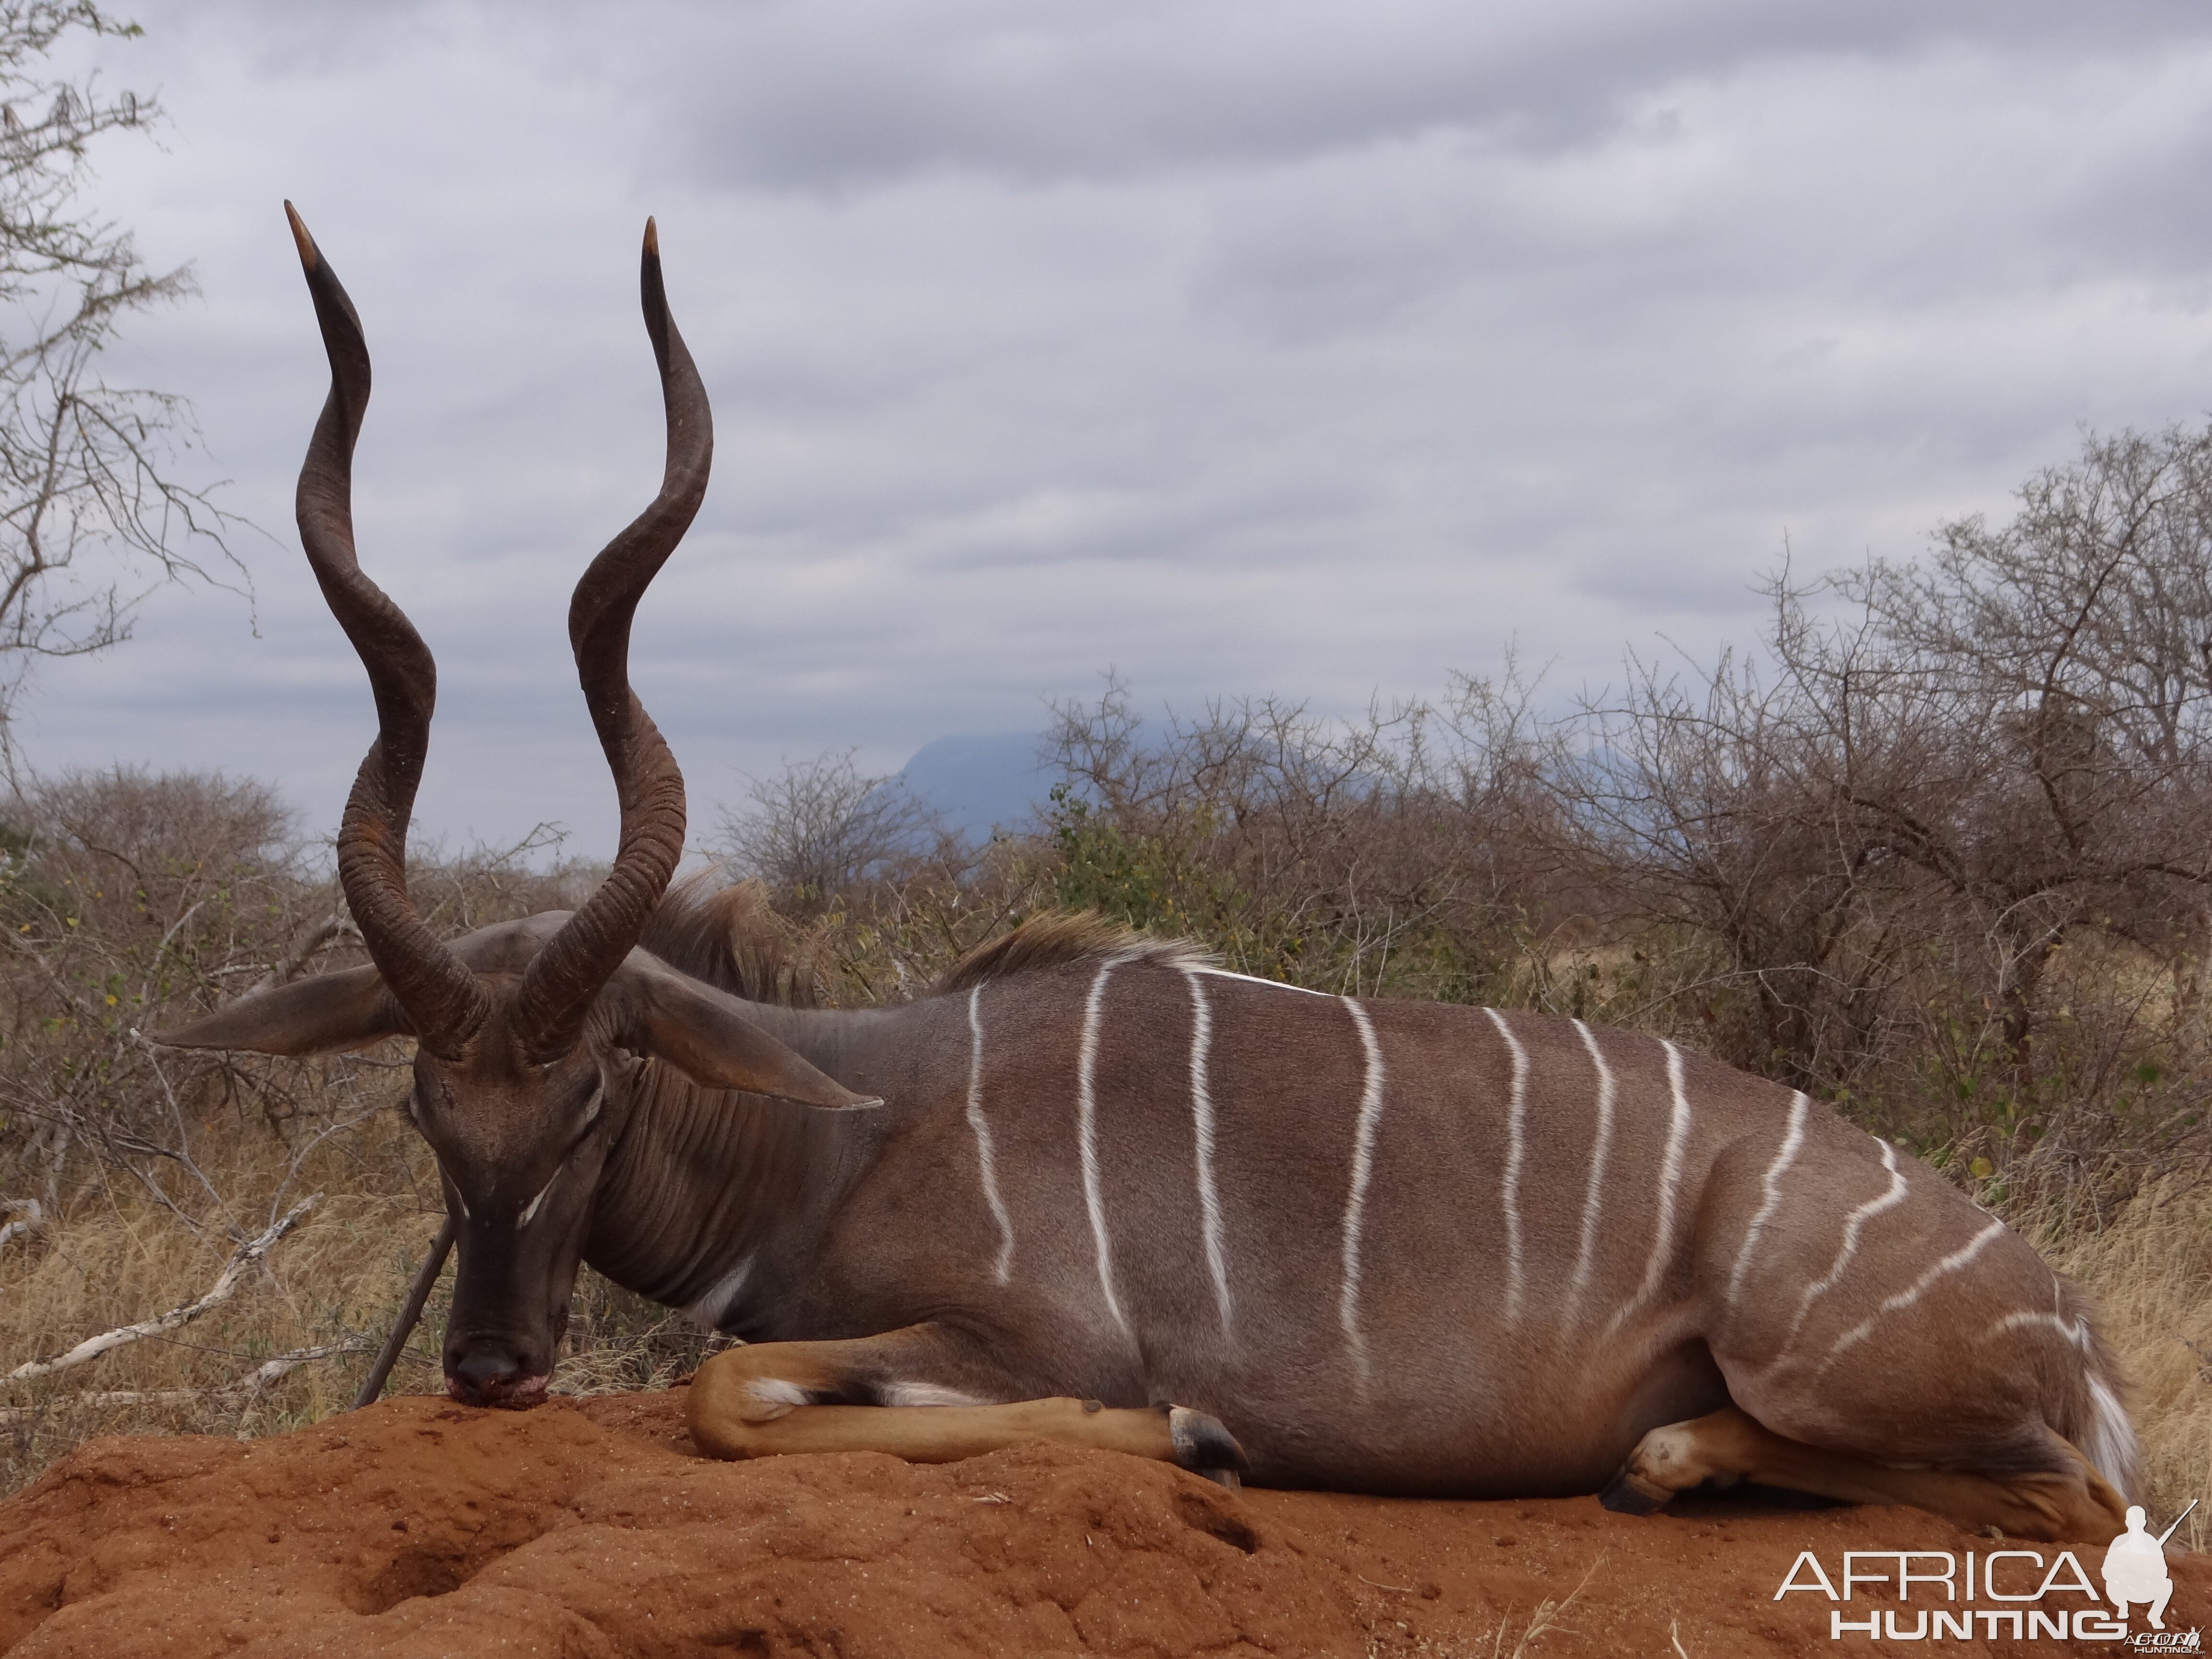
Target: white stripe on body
x=1586 y=1255
x=985 y=1163
x=2078 y=1335
x=1671 y=1180
x=1509 y=1185
x=2075 y=1331
x=1363 y=1168
x=1201 y=1112
x=1912 y=1293
x=1854 y=1224
x=1086 y=1122
x=1250 y=979
x=1793 y=1138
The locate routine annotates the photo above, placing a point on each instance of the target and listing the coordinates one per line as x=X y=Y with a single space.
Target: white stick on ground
x=246 y=1388
x=246 y=1256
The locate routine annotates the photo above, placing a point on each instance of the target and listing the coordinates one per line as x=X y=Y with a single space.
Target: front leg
x=760 y=1401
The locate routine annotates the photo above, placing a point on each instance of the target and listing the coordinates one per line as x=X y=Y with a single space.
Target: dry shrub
x=1387 y=855
x=1942 y=840
x=873 y=896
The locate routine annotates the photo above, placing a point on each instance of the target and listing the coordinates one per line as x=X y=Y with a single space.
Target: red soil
x=589 y=1529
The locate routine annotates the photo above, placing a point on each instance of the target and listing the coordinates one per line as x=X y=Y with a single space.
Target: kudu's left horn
x=441 y=997
x=559 y=984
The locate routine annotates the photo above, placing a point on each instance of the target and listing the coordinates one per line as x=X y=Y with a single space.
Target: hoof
x=1229 y=1478
x=1202 y=1444
x=1626 y=1495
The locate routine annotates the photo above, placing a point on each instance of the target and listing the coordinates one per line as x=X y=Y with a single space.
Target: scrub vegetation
x=1934 y=849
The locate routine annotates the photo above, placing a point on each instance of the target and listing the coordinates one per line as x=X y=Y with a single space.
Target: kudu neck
x=715 y=1202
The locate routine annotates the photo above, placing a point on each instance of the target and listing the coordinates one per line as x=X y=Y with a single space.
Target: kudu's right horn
x=561 y=981
x=441 y=997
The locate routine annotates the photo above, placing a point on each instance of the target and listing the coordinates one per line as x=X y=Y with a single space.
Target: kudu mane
x=1056 y=941
x=727 y=936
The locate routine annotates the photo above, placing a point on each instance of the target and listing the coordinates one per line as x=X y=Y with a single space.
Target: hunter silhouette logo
x=2134 y=1567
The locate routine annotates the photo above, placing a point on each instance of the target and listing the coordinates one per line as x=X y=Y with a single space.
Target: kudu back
x=1097 y=1189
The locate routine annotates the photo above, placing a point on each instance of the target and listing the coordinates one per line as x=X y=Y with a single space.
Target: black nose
x=483 y=1372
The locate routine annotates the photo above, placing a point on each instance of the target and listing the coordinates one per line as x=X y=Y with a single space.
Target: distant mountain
x=981 y=782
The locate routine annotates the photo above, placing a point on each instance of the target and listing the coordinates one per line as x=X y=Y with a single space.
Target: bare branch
x=244 y=1258
x=238 y=1391
x=92 y=517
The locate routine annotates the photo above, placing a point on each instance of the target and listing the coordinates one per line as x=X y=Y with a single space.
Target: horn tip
x=652 y=239
x=307 y=243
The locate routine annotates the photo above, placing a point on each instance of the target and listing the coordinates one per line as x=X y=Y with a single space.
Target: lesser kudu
x=1111 y=1194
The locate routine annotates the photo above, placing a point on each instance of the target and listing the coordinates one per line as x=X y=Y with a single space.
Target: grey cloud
x=837 y=96
x=1311 y=350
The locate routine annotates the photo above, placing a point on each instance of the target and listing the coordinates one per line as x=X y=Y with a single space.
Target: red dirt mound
x=420 y=1528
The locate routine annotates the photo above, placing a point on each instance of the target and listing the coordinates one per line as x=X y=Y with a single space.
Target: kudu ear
x=317 y=1015
x=703 y=1034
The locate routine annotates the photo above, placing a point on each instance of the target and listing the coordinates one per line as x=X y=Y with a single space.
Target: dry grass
x=117 y=1256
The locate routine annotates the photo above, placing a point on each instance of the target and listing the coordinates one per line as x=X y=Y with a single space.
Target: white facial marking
x=1912 y=1293
x=1086 y=1122
x=1854 y=1224
x=1201 y=1111
x=1252 y=979
x=1362 y=1167
x=531 y=1208
x=984 y=1161
x=1792 y=1138
x=927 y=1393
x=1586 y=1255
x=708 y=1311
x=1510 y=1185
x=1670 y=1181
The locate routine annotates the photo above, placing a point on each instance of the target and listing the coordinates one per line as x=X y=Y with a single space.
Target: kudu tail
x=2088 y=1409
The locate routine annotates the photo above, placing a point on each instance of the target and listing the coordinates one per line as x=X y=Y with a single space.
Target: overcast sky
x=1312 y=349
